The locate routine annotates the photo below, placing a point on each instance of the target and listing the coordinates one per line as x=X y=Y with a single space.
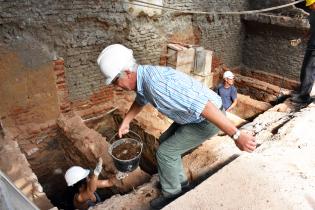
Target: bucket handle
x=110 y=141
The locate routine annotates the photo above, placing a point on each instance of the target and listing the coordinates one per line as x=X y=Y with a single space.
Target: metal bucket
x=129 y=164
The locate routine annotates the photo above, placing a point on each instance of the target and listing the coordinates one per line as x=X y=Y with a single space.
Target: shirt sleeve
x=217 y=89
x=141 y=100
x=234 y=93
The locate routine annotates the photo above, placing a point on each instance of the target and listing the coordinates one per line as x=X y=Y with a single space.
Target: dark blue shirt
x=228 y=95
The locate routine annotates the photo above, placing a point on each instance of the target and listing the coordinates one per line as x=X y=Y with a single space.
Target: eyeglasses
x=115 y=79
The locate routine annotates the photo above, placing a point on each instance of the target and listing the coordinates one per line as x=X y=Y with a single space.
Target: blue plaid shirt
x=174 y=93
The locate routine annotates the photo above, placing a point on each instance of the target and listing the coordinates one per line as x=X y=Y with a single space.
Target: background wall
x=78 y=30
x=267 y=47
x=257 y=4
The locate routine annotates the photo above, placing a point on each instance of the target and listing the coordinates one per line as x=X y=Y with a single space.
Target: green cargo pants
x=175 y=141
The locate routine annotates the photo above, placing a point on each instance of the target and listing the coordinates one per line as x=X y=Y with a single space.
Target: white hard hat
x=75 y=174
x=114 y=59
x=228 y=74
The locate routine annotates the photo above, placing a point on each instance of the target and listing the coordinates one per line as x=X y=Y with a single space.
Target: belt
x=222 y=108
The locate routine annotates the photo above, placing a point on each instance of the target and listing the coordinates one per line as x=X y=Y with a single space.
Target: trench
x=54 y=185
x=63 y=156
x=53 y=181
x=57 y=153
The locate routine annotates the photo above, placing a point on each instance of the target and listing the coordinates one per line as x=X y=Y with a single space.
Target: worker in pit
x=228 y=91
x=196 y=110
x=83 y=186
x=307 y=75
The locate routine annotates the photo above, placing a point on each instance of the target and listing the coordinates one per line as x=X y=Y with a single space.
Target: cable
x=156 y=6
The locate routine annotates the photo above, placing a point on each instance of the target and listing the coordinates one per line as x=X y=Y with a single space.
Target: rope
x=155 y=6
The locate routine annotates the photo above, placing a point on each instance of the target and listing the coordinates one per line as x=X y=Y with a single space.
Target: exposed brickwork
x=226 y=42
x=257 y=4
x=207 y=5
x=267 y=48
x=14 y=164
x=99 y=102
x=41 y=145
x=78 y=31
x=62 y=90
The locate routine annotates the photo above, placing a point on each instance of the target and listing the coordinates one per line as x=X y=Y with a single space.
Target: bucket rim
x=110 y=149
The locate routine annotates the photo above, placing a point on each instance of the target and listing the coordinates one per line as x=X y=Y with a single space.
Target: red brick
x=60 y=61
x=61 y=86
x=59 y=73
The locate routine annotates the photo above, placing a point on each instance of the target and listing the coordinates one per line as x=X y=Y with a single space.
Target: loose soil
x=126 y=151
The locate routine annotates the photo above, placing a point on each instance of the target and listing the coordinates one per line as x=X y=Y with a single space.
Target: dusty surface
x=247 y=107
x=138 y=199
x=258 y=89
x=14 y=164
x=278 y=175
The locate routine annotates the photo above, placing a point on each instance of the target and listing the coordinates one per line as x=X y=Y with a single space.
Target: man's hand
x=295 y=42
x=123 y=129
x=98 y=167
x=246 y=142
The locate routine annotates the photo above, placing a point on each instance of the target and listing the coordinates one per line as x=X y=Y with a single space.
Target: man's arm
x=232 y=105
x=105 y=183
x=93 y=179
x=131 y=114
x=92 y=183
x=245 y=141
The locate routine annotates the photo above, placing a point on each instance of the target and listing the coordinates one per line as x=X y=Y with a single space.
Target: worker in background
x=83 y=186
x=196 y=110
x=307 y=75
x=228 y=91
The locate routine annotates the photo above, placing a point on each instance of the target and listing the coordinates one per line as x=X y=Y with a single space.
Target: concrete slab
x=279 y=175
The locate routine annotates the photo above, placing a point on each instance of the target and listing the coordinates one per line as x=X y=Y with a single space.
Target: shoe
x=163 y=200
x=300 y=99
x=185 y=186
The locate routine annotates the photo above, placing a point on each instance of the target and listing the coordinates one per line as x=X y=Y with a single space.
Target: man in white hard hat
x=82 y=186
x=196 y=110
x=228 y=91
x=307 y=75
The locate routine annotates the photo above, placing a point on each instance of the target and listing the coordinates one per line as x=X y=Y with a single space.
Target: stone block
x=180 y=57
x=203 y=61
x=206 y=80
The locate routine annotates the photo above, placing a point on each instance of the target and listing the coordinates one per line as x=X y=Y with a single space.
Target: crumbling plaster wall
x=267 y=40
x=77 y=31
x=28 y=111
x=15 y=165
x=267 y=47
x=223 y=35
x=258 y=4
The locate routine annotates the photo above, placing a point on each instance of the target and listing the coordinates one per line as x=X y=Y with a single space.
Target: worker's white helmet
x=228 y=74
x=114 y=59
x=75 y=174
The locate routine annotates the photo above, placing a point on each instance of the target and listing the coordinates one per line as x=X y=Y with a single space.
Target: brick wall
x=27 y=92
x=77 y=31
x=258 y=4
x=226 y=41
x=207 y=5
x=267 y=44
